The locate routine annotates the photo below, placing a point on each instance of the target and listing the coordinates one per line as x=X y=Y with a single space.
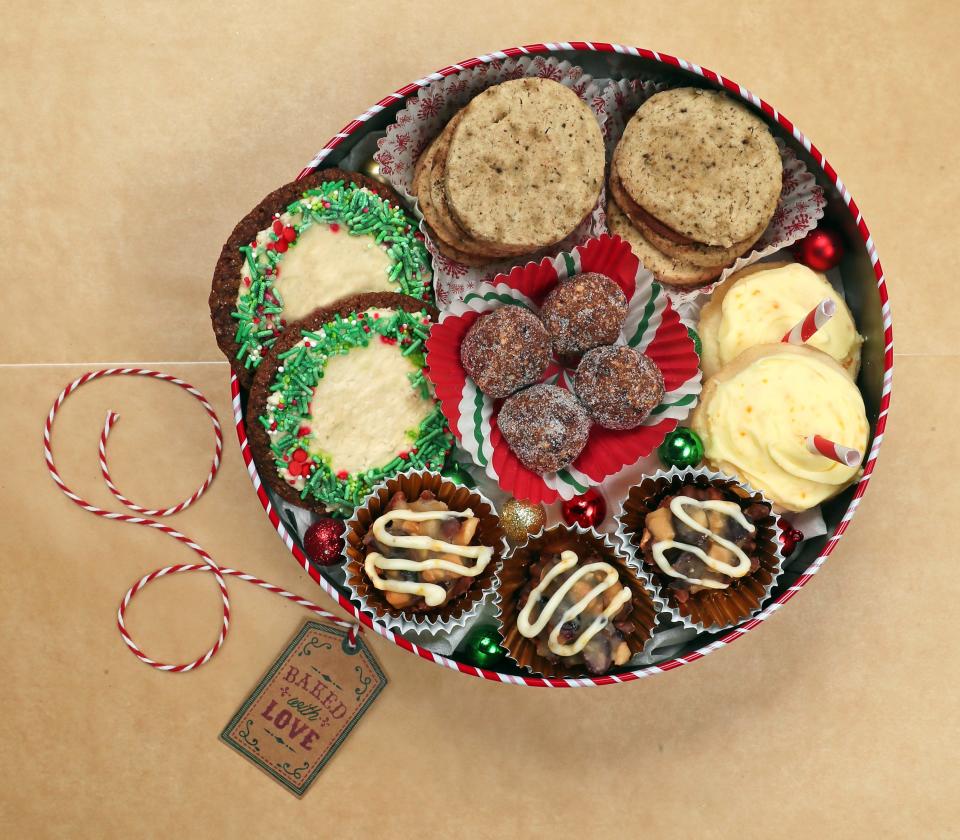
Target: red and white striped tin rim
x=868 y=468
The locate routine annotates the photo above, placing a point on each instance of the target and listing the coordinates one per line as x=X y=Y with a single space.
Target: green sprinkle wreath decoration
x=333 y=203
x=288 y=423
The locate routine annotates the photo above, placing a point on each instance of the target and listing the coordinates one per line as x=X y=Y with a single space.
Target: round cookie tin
x=863 y=283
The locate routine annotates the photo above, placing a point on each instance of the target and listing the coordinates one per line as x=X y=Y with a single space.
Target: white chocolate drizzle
x=432 y=593
x=730 y=509
x=568 y=560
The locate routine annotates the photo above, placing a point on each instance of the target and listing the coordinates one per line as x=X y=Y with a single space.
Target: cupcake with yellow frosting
x=760 y=304
x=756 y=414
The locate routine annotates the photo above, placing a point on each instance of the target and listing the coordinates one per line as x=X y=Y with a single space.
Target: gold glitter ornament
x=371 y=169
x=520 y=518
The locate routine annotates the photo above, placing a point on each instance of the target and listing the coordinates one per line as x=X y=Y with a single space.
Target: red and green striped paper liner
x=652 y=327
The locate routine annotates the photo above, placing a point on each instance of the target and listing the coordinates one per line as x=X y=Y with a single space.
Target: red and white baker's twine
x=208 y=565
x=736 y=90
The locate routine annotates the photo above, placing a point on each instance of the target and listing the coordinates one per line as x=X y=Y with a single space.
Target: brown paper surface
x=134 y=136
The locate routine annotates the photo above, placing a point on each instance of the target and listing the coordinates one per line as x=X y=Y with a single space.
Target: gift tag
x=306 y=705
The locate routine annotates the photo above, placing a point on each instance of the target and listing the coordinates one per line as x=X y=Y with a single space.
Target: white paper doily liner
x=801 y=201
x=428 y=112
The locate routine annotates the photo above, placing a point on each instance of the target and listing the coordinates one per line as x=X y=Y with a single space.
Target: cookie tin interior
x=860 y=286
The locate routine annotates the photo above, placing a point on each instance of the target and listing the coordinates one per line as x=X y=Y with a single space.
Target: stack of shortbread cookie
x=694 y=182
x=515 y=171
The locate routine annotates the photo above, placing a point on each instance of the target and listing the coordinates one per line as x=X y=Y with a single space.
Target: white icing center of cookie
x=325 y=265
x=364 y=409
x=568 y=561
x=731 y=509
x=433 y=594
x=761 y=308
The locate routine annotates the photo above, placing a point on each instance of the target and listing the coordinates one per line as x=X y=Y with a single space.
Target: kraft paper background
x=134 y=135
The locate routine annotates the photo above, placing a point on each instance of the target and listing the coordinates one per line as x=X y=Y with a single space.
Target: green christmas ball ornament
x=695 y=338
x=681 y=448
x=482 y=647
x=457 y=474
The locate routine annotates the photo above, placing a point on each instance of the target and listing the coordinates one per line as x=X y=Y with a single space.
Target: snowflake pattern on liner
x=424 y=117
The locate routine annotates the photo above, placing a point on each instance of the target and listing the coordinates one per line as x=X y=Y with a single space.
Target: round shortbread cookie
x=457 y=235
x=447 y=236
x=525 y=164
x=451 y=252
x=694 y=253
x=420 y=166
x=665 y=268
x=702 y=164
x=426 y=193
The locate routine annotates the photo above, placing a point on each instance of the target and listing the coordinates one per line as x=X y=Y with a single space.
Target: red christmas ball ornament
x=821 y=249
x=789 y=538
x=587 y=511
x=322 y=542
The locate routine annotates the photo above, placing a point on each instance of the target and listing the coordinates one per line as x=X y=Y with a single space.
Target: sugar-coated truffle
x=505 y=351
x=545 y=427
x=584 y=312
x=618 y=386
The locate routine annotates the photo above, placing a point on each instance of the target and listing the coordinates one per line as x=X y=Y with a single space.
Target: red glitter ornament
x=821 y=249
x=790 y=537
x=587 y=511
x=322 y=541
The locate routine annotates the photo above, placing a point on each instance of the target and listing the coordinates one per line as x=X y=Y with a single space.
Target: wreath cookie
x=308 y=244
x=341 y=404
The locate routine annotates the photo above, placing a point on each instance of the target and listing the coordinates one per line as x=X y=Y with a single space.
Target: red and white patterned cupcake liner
x=425 y=116
x=799 y=208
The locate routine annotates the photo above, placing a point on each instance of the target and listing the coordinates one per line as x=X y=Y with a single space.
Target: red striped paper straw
x=820 y=445
x=816 y=318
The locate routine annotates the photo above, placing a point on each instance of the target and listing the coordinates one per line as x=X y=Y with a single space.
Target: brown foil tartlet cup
x=706 y=610
x=515 y=576
x=456 y=612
